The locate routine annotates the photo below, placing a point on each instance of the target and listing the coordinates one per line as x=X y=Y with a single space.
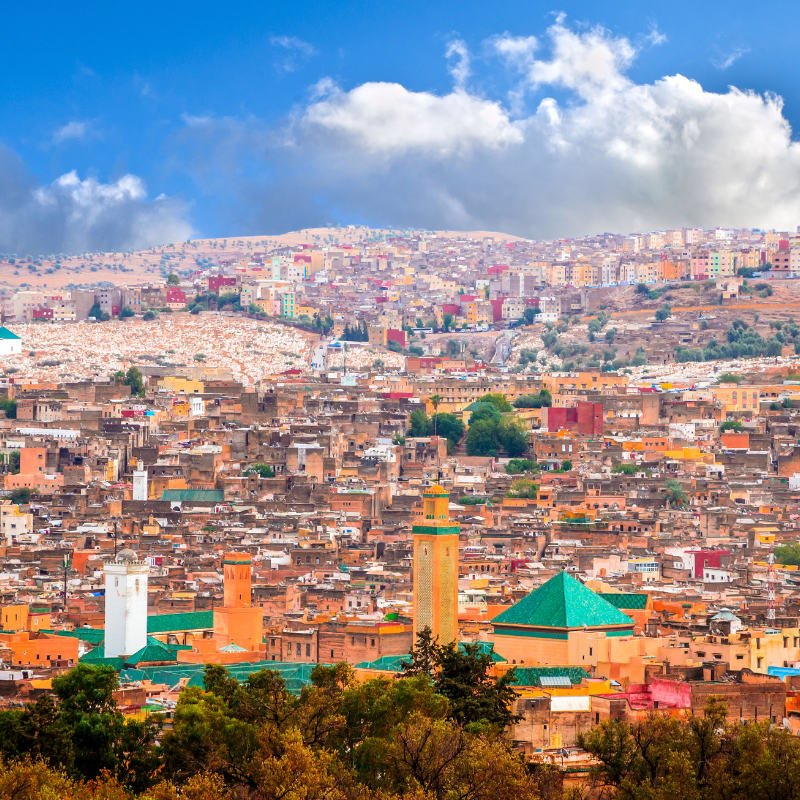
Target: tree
x=453 y=347
x=21 y=495
x=729 y=377
x=126 y=312
x=95 y=311
x=173 y=279
x=498 y=400
x=541 y=400
x=676 y=496
x=512 y=437
x=663 y=313
x=731 y=425
x=523 y=488
x=152 y=314
x=566 y=466
x=260 y=468
x=447 y=322
x=451 y=427
x=530 y=313
x=9 y=406
x=517 y=466
x=133 y=378
x=482 y=438
x=788 y=554
x=418 y=424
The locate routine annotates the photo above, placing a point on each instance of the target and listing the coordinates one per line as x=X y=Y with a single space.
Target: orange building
x=436 y=568
x=238 y=625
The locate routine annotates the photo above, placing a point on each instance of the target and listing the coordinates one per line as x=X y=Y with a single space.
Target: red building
x=215 y=283
x=584 y=419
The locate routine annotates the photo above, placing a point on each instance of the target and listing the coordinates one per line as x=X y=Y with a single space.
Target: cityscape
x=399 y=402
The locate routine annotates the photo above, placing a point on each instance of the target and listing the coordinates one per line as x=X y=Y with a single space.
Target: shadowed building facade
x=436 y=568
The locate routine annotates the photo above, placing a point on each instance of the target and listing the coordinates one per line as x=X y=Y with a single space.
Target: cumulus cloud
x=609 y=154
x=71 y=215
x=388 y=120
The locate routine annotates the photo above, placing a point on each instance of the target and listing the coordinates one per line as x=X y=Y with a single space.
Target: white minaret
x=126 y=605
x=140 y=482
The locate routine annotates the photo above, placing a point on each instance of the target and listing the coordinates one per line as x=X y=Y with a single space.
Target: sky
x=124 y=126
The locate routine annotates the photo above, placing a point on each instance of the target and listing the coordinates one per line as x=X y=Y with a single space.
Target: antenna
x=771 y=586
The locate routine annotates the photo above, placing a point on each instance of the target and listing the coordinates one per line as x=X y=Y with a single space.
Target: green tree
x=566 y=466
x=523 y=488
x=498 y=400
x=173 y=279
x=530 y=314
x=21 y=495
x=541 y=400
x=482 y=439
x=513 y=437
x=663 y=313
x=9 y=406
x=260 y=468
x=731 y=425
x=676 y=495
x=518 y=466
x=788 y=554
x=126 y=312
x=418 y=424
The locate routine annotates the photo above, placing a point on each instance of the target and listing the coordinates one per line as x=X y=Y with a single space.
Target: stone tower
x=436 y=568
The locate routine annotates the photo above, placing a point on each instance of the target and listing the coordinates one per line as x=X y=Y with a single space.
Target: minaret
x=238 y=621
x=126 y=605
x=140 y=482
x=436 y=568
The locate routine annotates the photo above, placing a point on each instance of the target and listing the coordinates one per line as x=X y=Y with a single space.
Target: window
x=299 y=648
x=308 y=651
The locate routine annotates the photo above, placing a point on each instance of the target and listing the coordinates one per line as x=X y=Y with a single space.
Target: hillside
x=90 y=269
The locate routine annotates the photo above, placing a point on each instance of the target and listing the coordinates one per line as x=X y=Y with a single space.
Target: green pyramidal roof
x=563 y=602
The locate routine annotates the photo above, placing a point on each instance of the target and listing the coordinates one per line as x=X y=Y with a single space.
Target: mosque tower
x=126 y=604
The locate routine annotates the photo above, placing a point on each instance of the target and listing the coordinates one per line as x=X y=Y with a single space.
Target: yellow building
x=178 y=384
x=436 y=568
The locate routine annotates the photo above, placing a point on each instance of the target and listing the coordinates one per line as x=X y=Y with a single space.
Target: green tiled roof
x=626 y=600
x=529 y=676
x=189 y=621
x=296 y=675
x=151 y=652
x=198 y=495
x=562 y=602
x=94 y=636
x=117 y=663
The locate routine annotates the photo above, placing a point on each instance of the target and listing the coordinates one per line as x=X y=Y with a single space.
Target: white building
x=126 y=605
x=10 y=343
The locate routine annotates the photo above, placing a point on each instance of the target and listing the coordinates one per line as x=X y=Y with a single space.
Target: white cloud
x=614 y=155
x=294 y=50
x=385 y=119
x=72 y=130
x=459 y=59
x=729 y=59
x=655 y=37
x=71 y=215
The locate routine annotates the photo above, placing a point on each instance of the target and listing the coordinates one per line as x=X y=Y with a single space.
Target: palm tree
x=676 y=496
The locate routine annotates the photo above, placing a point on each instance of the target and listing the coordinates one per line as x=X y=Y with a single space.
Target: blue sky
x=253 y=118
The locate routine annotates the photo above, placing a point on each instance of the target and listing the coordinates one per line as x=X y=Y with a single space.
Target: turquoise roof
x=626 y=600
x=188 y=621
x=395 y=663
x=151 y=652
x=5 y=333
x=531 y=676
x=197 y=495
x=563 y=602
x=94 y=636
x=296 y=675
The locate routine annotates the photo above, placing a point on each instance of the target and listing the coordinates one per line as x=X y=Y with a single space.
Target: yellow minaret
x=436 y=568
